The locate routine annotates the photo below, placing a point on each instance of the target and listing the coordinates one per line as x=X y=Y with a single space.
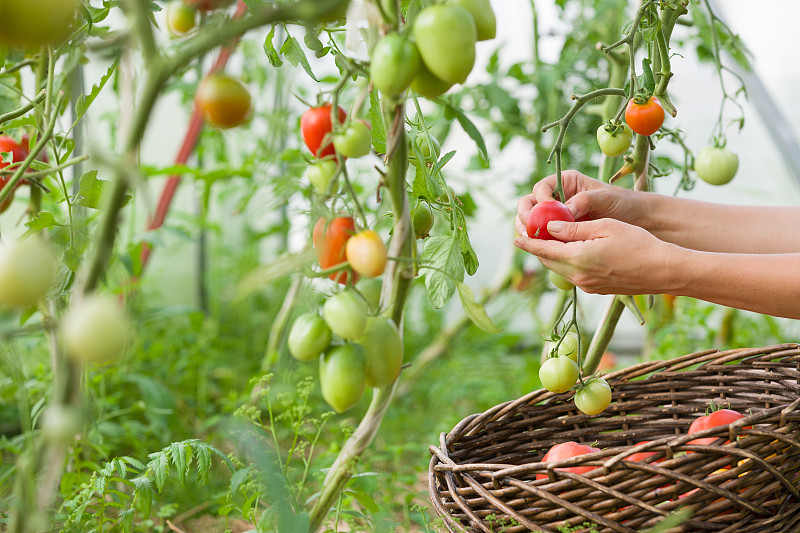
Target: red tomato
x=641 y=456
x=565 y=450
x=544 y=212
x=316 y=127
x=720 y=417
x=330 y=240
x=208 y=5
x=18 y=153
x=644 y=117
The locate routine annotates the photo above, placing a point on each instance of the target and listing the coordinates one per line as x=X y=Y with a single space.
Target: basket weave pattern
x=482 y=476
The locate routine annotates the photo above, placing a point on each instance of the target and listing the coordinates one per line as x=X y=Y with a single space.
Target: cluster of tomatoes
x=644 y=115
x=565 y=450
x=441 y=54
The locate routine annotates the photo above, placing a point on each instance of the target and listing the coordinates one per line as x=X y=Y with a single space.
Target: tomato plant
x=544 y=212
x=383 y=348
x=181 y=18
x=483 y=15
x=320 y=174
x=95 y=329
x=346 y=314
x=224 y=101
x=593 y=397
x=366 y=253
x=394 y=64
x=342 y=371
x=429 y=146
x=566 y=450
x=716 y=165
x=614 y=138
x=720 y=417
x=317 y=128
x=27 y=270
x=422 y=220
x=354 y=141
x=559 y=374
x=644 y=115
x=559 y=281
x=330 y=240
x=569 y=346
x=446 y=36
x=309 y=337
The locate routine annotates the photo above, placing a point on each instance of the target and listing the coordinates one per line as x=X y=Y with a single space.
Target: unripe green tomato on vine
x=430 y=150
x=60 y=423
x=483 y=14
x=309 y=337
x=27 y=270
x=355 y=141
x=224 y=101
x=346 y=314
x=428 y=85
x=394 y=64
x=559 y=374
x=383 y=349
x=569 y=346
x=446 y=36
x=95 y=329
x=423 y=220
x=342 y=371
x=320 y=174
x=716 y=166
x=614 y=139
x=593 y=397
x=181 y=18
x=33 y=23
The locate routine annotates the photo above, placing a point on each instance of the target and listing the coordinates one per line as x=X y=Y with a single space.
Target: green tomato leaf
x=43 y=220
x=474 y=310
x=424 y=185
x=469 y=128
x=443 y=254
x=86 y=100
x=295 y=55
x=273 y=56
x=647 y=80
x=376 y=118
x=364 y=499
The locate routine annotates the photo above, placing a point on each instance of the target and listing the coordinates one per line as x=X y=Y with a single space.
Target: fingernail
x=555 y=226
x=572 y=209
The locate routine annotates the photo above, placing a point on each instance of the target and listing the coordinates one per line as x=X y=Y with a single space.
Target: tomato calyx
x=641 y=97
x=614 y=127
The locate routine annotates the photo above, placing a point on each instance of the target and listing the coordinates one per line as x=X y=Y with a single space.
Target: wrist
x=678 y=269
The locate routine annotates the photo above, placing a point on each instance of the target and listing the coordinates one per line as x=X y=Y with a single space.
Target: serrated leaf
x=424 y=186
x=474 y=310
x=86 y=100
x=443 y=254
x=269 y=49
x=295 y=55
x=161 y=470
x=203 y=464
x=42 y=220
x=376 y=118
x=647 y=79
x=91 y=190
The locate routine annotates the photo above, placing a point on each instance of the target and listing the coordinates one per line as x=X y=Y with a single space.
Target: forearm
x=768 y=284
x=721 y=228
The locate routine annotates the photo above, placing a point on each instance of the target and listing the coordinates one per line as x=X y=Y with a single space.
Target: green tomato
x=428 y=85
x=560 y=282
x=370 y=289
x=559 y=374
x=594 y=397
x=614 y=140
x=569 y=346
x=95 y=329
x=354 y=141
x=423 y=220
x=27 y=270
x=320 y=174
x=430 y=150
x=446 y=36
x=483 y=14
x=346 y=314
x=181 y=18
x=60 y=423
x=383 y=348
x=309 y=337
x=341 y=376
x=394 y=65
x=716 y=166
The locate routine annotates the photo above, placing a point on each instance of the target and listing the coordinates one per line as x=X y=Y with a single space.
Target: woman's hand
x=585 y=195
x=606 y=256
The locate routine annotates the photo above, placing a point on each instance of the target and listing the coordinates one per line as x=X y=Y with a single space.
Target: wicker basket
x=482 y=477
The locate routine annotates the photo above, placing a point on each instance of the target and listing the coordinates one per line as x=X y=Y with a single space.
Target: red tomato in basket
x=565 y=450
x=720 y=417
x=641 y=456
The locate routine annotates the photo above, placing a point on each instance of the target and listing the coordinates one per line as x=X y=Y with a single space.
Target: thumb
x=573 y=231
x=581 y=204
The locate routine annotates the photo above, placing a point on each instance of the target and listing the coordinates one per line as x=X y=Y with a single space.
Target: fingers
x=543 y=249
x=524 y=206
x=578 y=231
